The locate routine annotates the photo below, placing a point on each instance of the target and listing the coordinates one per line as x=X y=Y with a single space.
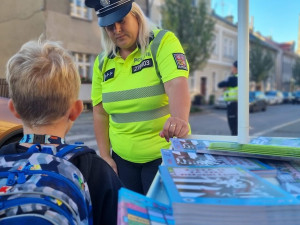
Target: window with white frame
x=79 y=10
x=215 y=44
x=84 y=63
x=214 y=82
x=195 y=3
x=228 y=47
x=192 y=82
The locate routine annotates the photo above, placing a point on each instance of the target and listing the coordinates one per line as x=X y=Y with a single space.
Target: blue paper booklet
x=288 y=175
x=189 y=144
x=276 y=141
x=137 y=209
x=192 y=158
x=283 y=150
x=221 y=185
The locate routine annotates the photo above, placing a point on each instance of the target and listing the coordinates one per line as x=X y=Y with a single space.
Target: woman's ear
x=75 y=110
x=12 y=109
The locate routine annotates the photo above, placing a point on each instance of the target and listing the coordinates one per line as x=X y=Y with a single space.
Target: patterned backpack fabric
x=42 y=187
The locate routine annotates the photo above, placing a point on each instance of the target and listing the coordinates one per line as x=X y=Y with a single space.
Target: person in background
x=231 y=97
x=139 y=101
x=44 y=85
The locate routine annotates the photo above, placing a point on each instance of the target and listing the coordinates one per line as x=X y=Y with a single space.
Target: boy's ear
x=75 y=110
x=12 y=109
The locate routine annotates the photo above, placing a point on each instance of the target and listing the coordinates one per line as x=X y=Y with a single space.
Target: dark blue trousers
x=136 y=176
x=232 y=116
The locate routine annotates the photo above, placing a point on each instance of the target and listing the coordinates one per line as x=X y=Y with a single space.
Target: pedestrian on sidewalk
x=231 y=97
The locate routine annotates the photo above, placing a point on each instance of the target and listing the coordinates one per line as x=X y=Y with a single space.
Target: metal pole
x=243 y=71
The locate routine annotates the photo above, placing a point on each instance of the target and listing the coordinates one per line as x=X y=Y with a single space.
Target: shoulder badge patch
x=180 y=61
x=109 y=74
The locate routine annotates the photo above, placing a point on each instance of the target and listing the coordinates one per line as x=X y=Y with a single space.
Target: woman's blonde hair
x=43 y=82
x=145 y=28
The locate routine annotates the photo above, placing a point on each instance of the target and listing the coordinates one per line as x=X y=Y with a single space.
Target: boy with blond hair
x=44 y=87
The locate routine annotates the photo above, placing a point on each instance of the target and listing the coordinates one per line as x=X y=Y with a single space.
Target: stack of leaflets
x=137 y=209
x=190 y=144
x=261 y=147
x=256 y=150
x=287 y=176
x=226 y=195
x=276 y=141
x=192 y=158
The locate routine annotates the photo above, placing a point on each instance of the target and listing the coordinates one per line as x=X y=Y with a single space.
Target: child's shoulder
x=8 y=149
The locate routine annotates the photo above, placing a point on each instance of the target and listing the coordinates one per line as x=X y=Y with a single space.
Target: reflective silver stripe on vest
x=143 y=92
x=154 y=47
x=141 y=116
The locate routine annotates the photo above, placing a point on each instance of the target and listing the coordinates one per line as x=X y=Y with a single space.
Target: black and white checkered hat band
x=107 y=9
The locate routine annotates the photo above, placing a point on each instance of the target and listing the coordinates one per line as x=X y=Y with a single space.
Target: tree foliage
x=193 y=26
x=296 y=72
x=261 y=62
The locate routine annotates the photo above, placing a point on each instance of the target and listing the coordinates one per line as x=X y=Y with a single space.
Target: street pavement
x=83 y=129
x=288 y=129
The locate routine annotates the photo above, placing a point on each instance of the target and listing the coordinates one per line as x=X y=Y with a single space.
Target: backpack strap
x=36 y=148
x=69 y=152
x=154 y=47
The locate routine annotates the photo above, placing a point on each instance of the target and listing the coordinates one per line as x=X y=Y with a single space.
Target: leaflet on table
x=288 y=175
x=257 y=150
x=221 y=185
x=190 y=157
x=190 y=144
x=276 y=152
x=137 y=209
x=279 y=141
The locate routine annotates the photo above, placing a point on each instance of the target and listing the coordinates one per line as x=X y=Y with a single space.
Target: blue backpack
x=43 y=187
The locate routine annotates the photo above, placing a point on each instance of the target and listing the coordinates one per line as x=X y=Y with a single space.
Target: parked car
x=296 y=99
x=274 y=97
x=257 y=101
x=11 y=129
x=287 y=97
x=220 y=103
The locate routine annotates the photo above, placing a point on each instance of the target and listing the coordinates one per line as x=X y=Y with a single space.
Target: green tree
x=296 y=72
x=193 y=26
x=261 y=62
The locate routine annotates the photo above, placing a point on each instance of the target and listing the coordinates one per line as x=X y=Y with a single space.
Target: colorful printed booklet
x=276 y=141
x=255 y=149
x=287 y=176
x=137 y=209
x=192 y=158
x=222 y=195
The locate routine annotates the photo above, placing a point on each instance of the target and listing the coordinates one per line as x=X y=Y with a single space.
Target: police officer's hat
x=235 y=64
x=110 y=11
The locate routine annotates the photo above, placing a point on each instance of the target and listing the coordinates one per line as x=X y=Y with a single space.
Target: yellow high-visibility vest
x=132 y=93
x=231 y=94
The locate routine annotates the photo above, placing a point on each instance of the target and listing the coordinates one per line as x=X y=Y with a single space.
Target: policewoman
x=231 y=97
x=139 y=92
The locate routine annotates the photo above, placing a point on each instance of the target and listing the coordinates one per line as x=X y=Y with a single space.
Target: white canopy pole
x=243 y=71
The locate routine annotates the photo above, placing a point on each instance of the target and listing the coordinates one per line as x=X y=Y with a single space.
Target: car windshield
x=297 y=93
x=271 y=93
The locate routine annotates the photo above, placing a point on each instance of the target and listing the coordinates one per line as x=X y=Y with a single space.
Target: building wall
x=298 y=43
x=219 y=64
x=20 y=21
x=288 y=62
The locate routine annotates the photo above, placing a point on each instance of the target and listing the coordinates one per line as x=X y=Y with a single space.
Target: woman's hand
x=174 y=127
x=112 y=163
